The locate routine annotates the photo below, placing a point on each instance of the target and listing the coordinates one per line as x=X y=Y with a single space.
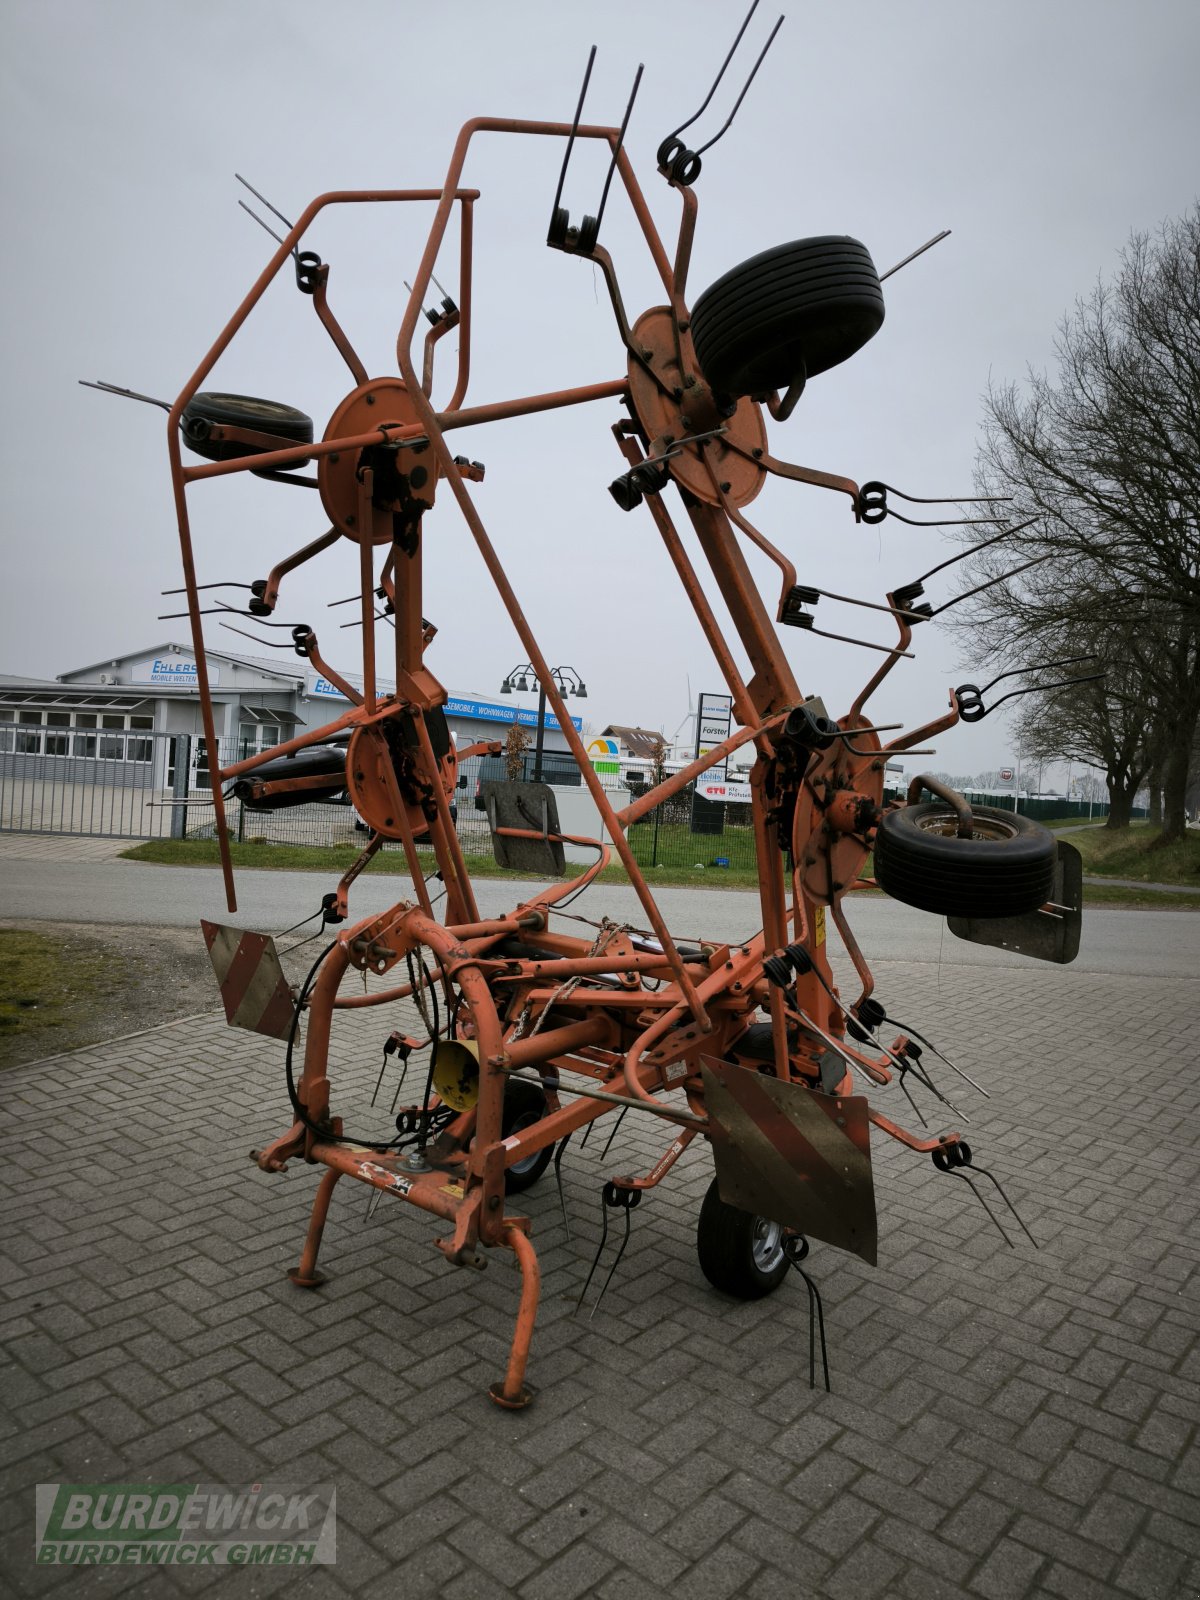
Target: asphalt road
x=1137 y=943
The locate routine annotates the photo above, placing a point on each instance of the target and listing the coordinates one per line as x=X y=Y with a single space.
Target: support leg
x=512 y=1394
x=306 y=1276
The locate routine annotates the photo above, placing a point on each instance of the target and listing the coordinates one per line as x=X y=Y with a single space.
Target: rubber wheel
x=524 y=1103
x=241 y=411
x=1005 y=869
x=787 y=315
x=740 y=1254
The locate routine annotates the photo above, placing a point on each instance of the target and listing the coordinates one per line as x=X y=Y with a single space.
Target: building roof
x=283 y=668
x=48 y=692
x=644 y=743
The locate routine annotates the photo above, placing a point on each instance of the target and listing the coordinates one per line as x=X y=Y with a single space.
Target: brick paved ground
x=1003 y=1423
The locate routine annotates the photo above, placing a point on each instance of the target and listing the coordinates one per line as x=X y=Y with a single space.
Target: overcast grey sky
x=1040 y=132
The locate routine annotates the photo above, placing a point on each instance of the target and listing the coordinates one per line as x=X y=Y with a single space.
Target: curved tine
x=857 y=750
x=262 y=620
x=863 y=644
x=274 y=210
x=990 y=584
x=946 y=499
x=562 y=176
x=253 y=637
x=612 y=165
x=559 y=1150
x=206 y=611
x=1042 y=666
x=380 y=616
x=727 y=124
x=1000 y=1187
x=126 y=394
x=596 y=1258
x=939 y=522
x=957 y=1173
x=379 y=1080
x=616 y=1261
x=675 y=132
x=929 y=1045
x=228 y=583
x=1045 y=688
x=912 y=256
x=923 y=1077
x=399 y=1085
x=881 y=727
x=615 y=1131
x=237 y=611
x=278 y=237
x=816 y=1314
x=974 y=549
x=872 y=605
x=910 y=1099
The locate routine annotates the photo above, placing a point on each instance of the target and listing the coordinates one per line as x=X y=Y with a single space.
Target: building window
x=112 y=748
x=85 y=719
x=85 y=744
x=28 y=743
x=254 y=737
x=139 y=749
x=112 y=722
x=58 y=744
x=31 y=716
x=58 y=719
x=141 y=722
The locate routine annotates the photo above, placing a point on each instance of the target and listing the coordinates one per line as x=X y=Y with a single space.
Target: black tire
x=740 y=1254
x=241 y=411
x=787 y=315
x=1005 y=869
x=524 y=1103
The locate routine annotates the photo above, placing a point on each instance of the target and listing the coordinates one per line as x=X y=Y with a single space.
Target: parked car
x=558 y=767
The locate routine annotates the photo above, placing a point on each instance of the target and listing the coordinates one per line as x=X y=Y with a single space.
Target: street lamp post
x=566 y=681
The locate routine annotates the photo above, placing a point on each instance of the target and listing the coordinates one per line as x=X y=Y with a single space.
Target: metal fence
x=665 y=837
x=117 y=785
x=150 y=785
x=156 y=786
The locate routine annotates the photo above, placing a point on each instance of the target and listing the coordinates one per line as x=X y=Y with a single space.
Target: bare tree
x=658 y=761
x=1098 y=725
x=516 y=742
x=1104 y=460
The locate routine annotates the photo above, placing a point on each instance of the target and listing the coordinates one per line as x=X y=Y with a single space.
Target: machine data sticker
x=819 y=926
x=390 y=1180
x=454 y=1190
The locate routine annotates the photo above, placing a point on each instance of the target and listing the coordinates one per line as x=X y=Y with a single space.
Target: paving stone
x=1003 y=1424
x=1009 y=1572
x=1152 y=1569
x=866 y=1572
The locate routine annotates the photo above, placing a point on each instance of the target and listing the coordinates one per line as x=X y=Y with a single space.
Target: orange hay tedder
x=532 y=1033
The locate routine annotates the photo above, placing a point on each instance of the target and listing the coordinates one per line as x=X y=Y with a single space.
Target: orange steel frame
x=622 y=1046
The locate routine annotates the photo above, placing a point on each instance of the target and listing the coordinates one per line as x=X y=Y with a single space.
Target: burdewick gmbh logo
x=185 y=1524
